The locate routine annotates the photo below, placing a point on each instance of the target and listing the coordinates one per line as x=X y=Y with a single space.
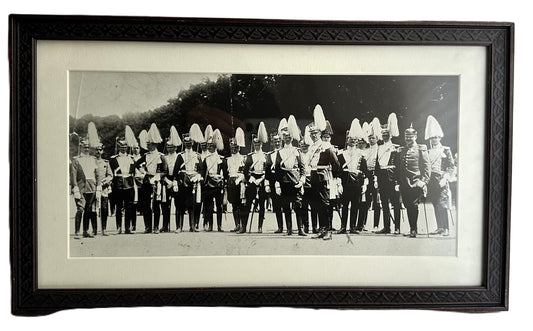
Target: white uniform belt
x=320 y=168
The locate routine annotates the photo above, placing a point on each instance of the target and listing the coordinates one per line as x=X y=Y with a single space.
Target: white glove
x=397 y=188
x=152 y=180
x=278 y=188
x=364 y=189
x=420 y=184
x=267 y=188
x=443 y=182
x=76 y=192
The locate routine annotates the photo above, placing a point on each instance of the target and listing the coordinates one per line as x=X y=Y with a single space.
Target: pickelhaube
x=410 y=131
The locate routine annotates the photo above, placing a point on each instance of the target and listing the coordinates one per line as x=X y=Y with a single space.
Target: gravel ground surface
x=267 y=243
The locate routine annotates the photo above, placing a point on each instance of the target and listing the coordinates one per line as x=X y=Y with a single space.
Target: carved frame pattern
x=25 y=30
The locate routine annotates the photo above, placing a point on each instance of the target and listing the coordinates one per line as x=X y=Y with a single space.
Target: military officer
x=412 y=174
x=290 y=172
x=123 y=170
x=214 y=181
x=138 y=180
x=254 y=172
x=86 y=188
x=106 y=175
x=154 y=167
x=385 y=167
x=170 y=183
x=234 y=173
x=353 y=165
x=324 y=163
x=188 y=170
x=442 y=169
x=304 y=144
x=271 y=183
x=372 y=193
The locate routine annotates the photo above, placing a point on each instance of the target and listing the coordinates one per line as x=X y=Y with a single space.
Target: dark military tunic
x=412 y=173
x=353 y=165
x=384 y=170
x=254 y=172
x=187 y=171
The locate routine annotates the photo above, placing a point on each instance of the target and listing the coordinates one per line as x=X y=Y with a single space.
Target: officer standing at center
x=290 y=172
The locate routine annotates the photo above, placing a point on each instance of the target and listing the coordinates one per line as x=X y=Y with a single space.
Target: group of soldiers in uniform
x=304 y=176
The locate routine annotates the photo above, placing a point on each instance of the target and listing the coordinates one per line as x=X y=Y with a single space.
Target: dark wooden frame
x=25 y=30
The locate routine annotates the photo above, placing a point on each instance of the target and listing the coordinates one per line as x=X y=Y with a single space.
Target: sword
x=349 y=240
x=426 y=216
x=254 y=205
x=451 y=216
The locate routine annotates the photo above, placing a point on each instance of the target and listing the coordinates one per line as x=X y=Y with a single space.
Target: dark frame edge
x=19 y=305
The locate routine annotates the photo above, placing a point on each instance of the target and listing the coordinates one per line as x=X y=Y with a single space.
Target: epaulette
x=114 y=156
x=446 y=147
x=422 y=147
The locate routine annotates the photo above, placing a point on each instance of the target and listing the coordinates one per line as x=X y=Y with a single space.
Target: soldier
x=314 y=146
x=85 y=183
x=170 y=183
x=214 y=181
x=353 y=165
x=154 y=167
x=304 y=144
x=271 y=184
x=138 y=178
x=123 y=170
x=290 y=172
x=364 y=204
x=204 y=152
x=198 y=138
x=105 y=173
x=254 y=173
x=188 y=170
x=323 y=162
x=373 y=132
x=442 y=169
x=334 y=182
x=412 y=174
x=385 y=167
x=233 y=172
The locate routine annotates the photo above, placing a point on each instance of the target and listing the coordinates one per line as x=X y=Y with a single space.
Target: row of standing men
x=313 y=179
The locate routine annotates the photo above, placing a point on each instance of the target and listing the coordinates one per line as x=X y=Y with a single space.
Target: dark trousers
x=321 y=204
x=276 y=208
x=256 y=197
x=411 y=198
x=390 y=197
x=150 y=205
x=124 y=203
x=165 y=209
x=306 y=208
x=185 y=202
x=212 y=196
x=350 y=199
x=86 y=211
x=104 y=211
x=292 y=199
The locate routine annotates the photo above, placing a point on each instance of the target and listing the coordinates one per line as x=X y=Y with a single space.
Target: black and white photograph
x=210 y=164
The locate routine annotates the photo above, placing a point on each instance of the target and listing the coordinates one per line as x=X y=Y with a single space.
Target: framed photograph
x=223 y=162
